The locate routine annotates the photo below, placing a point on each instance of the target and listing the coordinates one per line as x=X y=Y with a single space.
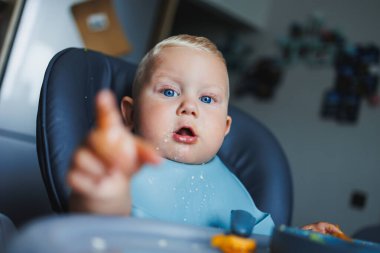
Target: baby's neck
x=202 y=163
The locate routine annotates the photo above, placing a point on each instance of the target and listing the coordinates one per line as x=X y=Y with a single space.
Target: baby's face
x=182 y=109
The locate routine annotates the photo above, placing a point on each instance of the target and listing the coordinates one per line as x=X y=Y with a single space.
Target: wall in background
x=329 y=161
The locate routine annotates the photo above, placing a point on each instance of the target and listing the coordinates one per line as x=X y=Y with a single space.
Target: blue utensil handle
x=242 y=223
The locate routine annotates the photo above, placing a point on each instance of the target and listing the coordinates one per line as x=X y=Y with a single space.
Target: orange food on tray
x=232 y=243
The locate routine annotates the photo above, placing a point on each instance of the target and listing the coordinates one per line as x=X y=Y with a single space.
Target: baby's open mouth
x=185 y=135
x=185 y=131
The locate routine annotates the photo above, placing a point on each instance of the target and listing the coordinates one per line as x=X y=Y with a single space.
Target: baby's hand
x=327 y=228
x=102 y=167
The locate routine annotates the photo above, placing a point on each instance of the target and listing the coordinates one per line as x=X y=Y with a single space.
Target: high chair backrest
x=66 y=113
x=7 y=231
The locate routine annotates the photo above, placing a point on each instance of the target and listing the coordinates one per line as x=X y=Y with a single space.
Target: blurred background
x=307 y=69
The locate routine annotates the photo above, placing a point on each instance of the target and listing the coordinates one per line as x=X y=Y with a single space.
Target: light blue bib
x=196 y=194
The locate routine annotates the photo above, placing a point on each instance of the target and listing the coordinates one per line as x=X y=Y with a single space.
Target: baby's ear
x=228 y=125
x=127 y=111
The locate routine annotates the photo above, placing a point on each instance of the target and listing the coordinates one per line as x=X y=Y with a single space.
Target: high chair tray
x=106 y=234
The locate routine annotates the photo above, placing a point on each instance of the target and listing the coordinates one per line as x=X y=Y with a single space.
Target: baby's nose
x=188 y=107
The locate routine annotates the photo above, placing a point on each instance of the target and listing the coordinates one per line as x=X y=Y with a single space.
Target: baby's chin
x=189 y=160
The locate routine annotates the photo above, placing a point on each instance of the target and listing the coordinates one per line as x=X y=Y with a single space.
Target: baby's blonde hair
x=184 y=40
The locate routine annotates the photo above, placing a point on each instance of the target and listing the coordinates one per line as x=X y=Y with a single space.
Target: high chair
x=66 y=114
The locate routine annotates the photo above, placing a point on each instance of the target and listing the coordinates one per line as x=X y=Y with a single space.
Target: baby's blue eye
x=169 y=93
x=206 y=99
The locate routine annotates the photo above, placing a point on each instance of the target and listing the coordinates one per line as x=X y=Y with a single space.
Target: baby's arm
x=102 y=167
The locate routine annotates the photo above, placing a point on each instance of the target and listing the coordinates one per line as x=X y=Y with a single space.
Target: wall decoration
x=356 y=68
x=356 y=79
x=262 y=78
x=99 y=27
x=311 y=43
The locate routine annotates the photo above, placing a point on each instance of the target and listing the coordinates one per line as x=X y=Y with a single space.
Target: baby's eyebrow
x=166 y=77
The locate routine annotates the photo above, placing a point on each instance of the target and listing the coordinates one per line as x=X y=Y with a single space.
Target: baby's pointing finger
x=132 y=153
x=88 y=163
x=146 y=153
x=80 y=182
x=107 y=113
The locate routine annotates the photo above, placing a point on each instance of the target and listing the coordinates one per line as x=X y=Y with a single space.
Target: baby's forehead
x=213 y=59
x=163 y=51
x=164 y=55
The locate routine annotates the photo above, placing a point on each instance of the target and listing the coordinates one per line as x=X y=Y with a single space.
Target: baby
x=179 y=115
